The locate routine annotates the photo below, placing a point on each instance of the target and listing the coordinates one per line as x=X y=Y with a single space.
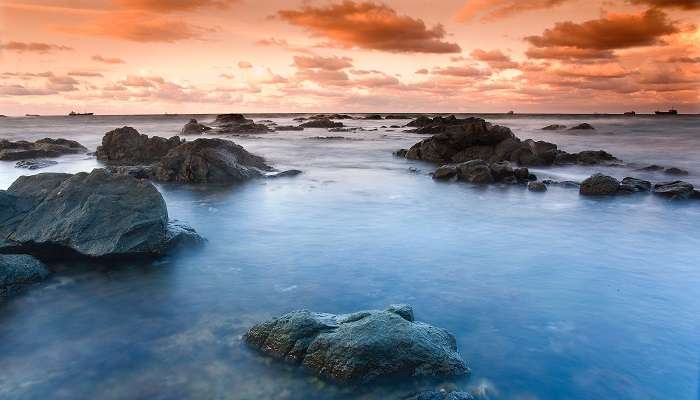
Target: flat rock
x=322 y=123
x=676 y=190
x=235 y=124
x=18 y=271
x=363 y=346
x=599 y=185
x=634 y=185
x=35 y=164
x=43 y=148
x=284 y=174
x=583 y=126
x=126 y=146
x=676 y=171
x=289 y=128
x=554 y=127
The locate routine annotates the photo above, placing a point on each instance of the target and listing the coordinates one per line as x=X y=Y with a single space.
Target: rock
x=331 y=116
x=445 y=172
x=554 y=127
x=44 y=148
x=595 y=157
x=444 y=395
x=564 y=184
x=285 y=174
x=599 y=185
x=522 y=174
x=583 y=126
x=397 y=116
x=92 y=214
x=138 y=172
x=651 y=168
x=634 y=185
x=421 y=121
x=675 y=171
x=403 y=310
x=226 y=119
x=281 y=128
x=359 y=347
x=34 y=164
x=341 y=129
x=536 y=187
x=502 y=171
x=400 y=153
x=194 y=128
x=322 y=123
x=209 y=161
x=475 y=171
x=126 y=146
x=373 y=116
x=236 y=124
x=18 y=271
x=179 y=235
x=676 y=190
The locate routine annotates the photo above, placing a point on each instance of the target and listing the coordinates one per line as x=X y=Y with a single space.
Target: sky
x=215 y=56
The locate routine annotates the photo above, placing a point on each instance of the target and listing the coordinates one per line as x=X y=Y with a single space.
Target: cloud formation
x=173 y=5
x=325 y=63
x=494 y=58
x=370 y=25
x=681 y=4
x=107 y=60
x=33 y=47
x=495 y=9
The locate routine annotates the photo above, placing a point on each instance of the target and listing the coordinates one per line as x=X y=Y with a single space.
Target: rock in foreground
x=18 y=271
x=126 y=146
x=599 y=185
x=92 y=214
x=363 y=346
x=44 y=148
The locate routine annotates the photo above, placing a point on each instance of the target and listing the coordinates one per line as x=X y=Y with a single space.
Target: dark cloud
x=681 y=4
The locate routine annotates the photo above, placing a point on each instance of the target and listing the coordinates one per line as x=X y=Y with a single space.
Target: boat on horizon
x=74 y=114
x=629 y=113
x=669 y=112
x=32 y=115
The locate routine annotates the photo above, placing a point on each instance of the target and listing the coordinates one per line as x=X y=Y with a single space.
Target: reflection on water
x=550 y=295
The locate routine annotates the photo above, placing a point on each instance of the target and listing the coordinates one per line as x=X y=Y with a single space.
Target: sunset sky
x=211 y=56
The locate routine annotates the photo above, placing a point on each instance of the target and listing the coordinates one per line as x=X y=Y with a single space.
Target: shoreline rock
x=43 y=148
x=126 y=146
x=35 y=164
x=194 y=128
x=360 y=347
x=17 y=271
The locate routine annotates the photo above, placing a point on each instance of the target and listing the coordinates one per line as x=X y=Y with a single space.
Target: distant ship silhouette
x=73 y=114
x=669 y=112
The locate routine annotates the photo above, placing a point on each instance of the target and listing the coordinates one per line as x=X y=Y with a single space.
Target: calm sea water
x=550 y=295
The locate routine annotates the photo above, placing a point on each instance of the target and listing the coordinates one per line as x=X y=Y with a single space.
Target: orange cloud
x=325 y=63
x=682 y=4
x=33 y=47
x=244 y=65
x=615 y=31
x=370 y=26
x=172 y=5
x=462 y=72
x=85 y=74
x=107 y=60
x=568 y=53
x=494 y=58
x=494 y=9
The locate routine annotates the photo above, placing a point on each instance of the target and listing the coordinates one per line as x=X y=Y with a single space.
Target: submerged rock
x=599 y=185
x=475 y=171
x=445 y=172
x=322 y=123
x=583 y=126
x=284 y=174
x=536 y=186
x=92 y=214
x=19 y=271
x=126 y=146
x=554 y=127
x=194 y=128
x=675 y=171
x=676 y=190
x=209 y=161
x=363 y=346
x=35 y=164
x=43 y=148
x=634 y=185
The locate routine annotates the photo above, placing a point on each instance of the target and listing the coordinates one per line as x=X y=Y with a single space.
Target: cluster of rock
x=459 y=140
x=604 y=185
x=360 y=347
x=204 y=160
x=234 y=124
x=322 y=123
x=43 y=148
x=481 y=172
x=557 y=127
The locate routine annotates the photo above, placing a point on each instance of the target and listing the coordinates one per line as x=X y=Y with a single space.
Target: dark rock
x=536 y=187
x=599 y=185
x=361 y=347
x=331 y=116
x=675 y=171
x=595 y=157
x=420 y=122
x=285 y=174
x=583 y=126
x=474 y=171
x=18 y=271
x=281 y=128
x=554 y=127
x=194 y=128
x=677 y=190
x=226 y=119
x=522 y=174
x=35 y=164
x=126 y=146
x=502 y=171
x=138 y=172
x=444 y=395
x=373 y=116
x=634 y=185
x=209 y=161
x=92 y=214
x=236 y=124
x=400 y=153
x=44 y=148
x=179 y=235
x=445 y=172
x=564 y=184
x=341 y=129
x=394 y=126
x=651 y=168
x=397 y=116
x=322 y=123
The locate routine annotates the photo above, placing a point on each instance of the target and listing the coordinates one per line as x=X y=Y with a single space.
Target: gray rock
x=445 y=172
x=373 y=116
x=194 y=128
x=18 y=271
x=322 y=123
x=651 y=168
x=126 y=146
x=634 y=185
x=209 y=161
x=44 y=148
x=400 y=153
x=179 y=235
x=554 y=127
x=403 y=310
x=285 y=174
x=564 y=184
x=599 y=185
x=34 y=164
x=502 y=171
x=583 y=126
x=92 y=214
x=362 y=346
x=536 y=187
x=281 y=128
x=675 y=171
x=676 y=190
x=475 y=171
x=234 y=124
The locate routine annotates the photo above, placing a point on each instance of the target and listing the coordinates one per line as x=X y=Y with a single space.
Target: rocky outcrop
x=634 y=185
x=676 y=190
x=282 y=128
x=44 y=148
x=126 y=146
x=459 y=140
x=360 y=347
x=19 y=271
x=331 y=116
x=234 y=124
x=536 y=186
x=676 y=171
x=322 y=123
x=373 y=117
x=599 y=185
x=94 y=214
x=35 y=164
x=554 y=127
x=209 y=161
x=398 y=116
x=194 y=128
x=583 y=126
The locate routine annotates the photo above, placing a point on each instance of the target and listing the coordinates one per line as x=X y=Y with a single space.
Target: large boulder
x=599 y=185
x=92 y=214
x=360 y=347
x=18 y=271
x=126 y=146
x=475 y=171
x=583 y=126
x=209 y=161
x=676 y=190
x=43 y=148
x=194 y=128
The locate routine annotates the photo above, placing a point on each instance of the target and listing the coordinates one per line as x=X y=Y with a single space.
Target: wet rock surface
x=599 y=185
x=126 y=146
x=194 y=128
x=235 y=124
x=583 y=126
x=18 y=271
x=43 y=148
x=536 y=187
x=363 y=346
x=676 y=190
x=94 y=214
x=35 y=164
x=322 y=123
x=554 y=127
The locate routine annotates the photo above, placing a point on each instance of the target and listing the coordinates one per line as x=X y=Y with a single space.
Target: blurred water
x=550 y=295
